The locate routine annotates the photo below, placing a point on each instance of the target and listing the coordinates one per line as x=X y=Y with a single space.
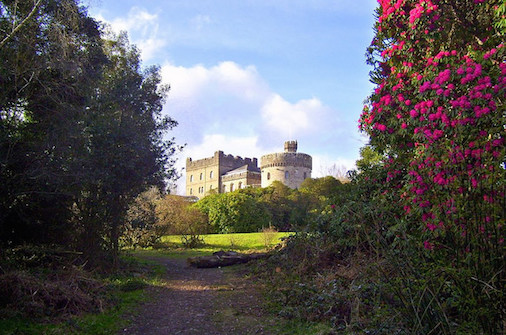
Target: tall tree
x=51 y=54
x=126 y=150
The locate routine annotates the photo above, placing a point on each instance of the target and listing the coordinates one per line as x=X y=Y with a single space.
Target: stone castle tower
x=289 y=167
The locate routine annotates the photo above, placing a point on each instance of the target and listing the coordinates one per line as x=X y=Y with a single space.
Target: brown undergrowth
x=47 y=282
x=320 y=281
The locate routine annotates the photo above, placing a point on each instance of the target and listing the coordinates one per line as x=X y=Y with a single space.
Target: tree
x=438 y=114
x=51 y=55
x=321 y=187
x=125 y=149
x=176 y=215
x=240 y=211
x=369 y=158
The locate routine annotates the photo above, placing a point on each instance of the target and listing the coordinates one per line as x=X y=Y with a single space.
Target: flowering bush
x=438 y=114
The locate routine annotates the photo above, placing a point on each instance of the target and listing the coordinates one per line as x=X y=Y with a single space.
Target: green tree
x=125 y=148
x=369 y=158
x=235 y=212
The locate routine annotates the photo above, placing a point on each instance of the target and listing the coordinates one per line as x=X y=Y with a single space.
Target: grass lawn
x=238 y=242
x=172 y=245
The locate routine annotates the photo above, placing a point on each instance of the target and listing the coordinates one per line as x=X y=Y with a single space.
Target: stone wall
x=204 y=175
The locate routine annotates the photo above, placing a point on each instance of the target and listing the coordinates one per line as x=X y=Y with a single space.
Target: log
x=223 y=258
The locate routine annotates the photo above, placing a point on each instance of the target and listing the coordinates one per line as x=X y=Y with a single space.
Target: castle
x=226 y=173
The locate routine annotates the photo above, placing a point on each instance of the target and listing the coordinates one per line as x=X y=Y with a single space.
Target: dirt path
x=200 y=302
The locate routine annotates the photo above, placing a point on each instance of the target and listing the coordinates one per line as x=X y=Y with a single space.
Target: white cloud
x=228 y=97
x=226 y=78
x=293 y=119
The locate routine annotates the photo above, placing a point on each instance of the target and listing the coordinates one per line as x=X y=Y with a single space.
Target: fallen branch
x=223 y=258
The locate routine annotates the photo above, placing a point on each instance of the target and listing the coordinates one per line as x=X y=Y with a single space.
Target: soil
x=191 y=301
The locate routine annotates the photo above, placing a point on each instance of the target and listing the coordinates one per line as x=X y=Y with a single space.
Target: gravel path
x=195 y=301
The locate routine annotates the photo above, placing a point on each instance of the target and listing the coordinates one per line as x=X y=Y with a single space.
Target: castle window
x=268 y=176
x=201 y=176
x=305 y=175
x=287 y=174
x=240 y=185
x=224 y=188
x=191 y=191
x=210 y=187
x=191 y=178
x=231 y=187
x=211 y=174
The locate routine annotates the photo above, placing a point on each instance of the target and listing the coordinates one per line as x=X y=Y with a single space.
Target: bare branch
x=16 y=28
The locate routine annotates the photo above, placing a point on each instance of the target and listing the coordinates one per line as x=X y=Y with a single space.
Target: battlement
x=204 y=162
x=286 y=159
x=229 y=162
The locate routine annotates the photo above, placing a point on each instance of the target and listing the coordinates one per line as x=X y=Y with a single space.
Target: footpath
x=192 y=301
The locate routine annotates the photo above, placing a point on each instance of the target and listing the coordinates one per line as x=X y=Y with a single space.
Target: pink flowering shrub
x=438 y=113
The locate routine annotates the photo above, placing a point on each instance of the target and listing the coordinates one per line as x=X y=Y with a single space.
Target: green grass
x=172 y=246
x=237 y=242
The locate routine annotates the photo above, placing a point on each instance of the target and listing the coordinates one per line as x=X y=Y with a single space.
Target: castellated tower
x=289 y=167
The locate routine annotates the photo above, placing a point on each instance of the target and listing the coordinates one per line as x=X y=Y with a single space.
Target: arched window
x=268 y=176
x=224 y=188
x=287 y=174
x=191 y=191
x=191 y=178
x=231 y=187
x=201 y=176
x=240 y=185
x=305 y=175
x=211 y=174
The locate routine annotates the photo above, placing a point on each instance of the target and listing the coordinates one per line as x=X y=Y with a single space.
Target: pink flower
x=427 y=245
x=381 y=127
x=431 y=226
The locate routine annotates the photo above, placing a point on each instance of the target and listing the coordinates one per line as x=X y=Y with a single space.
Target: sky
x=248 y=75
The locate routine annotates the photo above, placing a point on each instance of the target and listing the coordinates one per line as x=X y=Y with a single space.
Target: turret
x=291 y=146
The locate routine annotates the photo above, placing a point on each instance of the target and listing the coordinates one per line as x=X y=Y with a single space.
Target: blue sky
x=246 y=75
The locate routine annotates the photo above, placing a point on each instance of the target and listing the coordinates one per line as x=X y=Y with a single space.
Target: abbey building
x=225 y=173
